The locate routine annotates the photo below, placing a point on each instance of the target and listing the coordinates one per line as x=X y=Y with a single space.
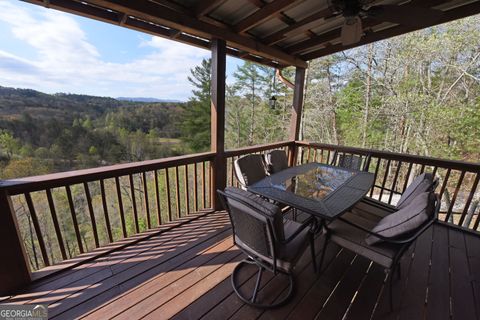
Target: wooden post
x=14 y=268
x=296 y=112
x=219 y=164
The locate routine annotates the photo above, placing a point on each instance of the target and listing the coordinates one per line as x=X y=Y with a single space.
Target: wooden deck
x=184 y=273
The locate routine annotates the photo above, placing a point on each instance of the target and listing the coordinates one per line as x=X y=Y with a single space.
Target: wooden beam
x=205 y=6
x=297 y=26
x=14 y=269
x=297 y=104
x=146 y=10
x=217 y=115
x=266 y=12
x=296 y=117
x=450 y=15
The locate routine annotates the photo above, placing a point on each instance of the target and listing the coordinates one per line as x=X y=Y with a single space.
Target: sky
x=51 y=51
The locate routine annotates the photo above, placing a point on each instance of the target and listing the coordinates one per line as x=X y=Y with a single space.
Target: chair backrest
x=250 y=169
x=257 y=224
x=276 y=161
x=422 y=183
x=351 y=161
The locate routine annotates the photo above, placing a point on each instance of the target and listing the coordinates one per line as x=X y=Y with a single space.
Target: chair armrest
x=305 y=224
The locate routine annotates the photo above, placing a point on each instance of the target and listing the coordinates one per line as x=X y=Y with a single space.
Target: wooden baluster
x=394 y=183
x=385 y=177
x=157 y=198
x=56 y=225
x=434 y=172
x=422 y=169
x=177 y=193
x=167 y=190
x=92 y=214
x=74 y=218
x=38 y=231
x=315 y=155
x=328 y=157
x=455 y=194
x=210 y=178
x=134 y=203
x=321 y=155
x=231 y=172
x=187 y=191
x=145 y=199
x=375 y=176
x=469 y=199
x=204 y=193
x=444 y=185
x=308 y=155
x=105 y=210
x=409 y=170
x=195 y=186
x=301 y=155
x=120 y=207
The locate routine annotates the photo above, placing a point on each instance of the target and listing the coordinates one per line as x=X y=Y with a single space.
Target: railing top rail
x=449 y=164
x=257 y=148
x=36 y=183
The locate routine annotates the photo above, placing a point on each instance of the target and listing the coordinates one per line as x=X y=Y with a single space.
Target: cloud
x=65 y=61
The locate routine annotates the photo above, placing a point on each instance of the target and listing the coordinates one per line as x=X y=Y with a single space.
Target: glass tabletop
x=317 y=182
x=319 y=189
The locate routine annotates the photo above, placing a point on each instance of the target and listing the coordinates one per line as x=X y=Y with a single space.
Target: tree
x=196 y=119
x=251 y=80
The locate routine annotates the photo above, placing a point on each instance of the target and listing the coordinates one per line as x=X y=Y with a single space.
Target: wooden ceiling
x=278 y=33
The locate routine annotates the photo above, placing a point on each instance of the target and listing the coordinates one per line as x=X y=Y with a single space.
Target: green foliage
x=196 y=121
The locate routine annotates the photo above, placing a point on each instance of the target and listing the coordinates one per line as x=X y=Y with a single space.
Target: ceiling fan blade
x=351 y=30
x=409 y=15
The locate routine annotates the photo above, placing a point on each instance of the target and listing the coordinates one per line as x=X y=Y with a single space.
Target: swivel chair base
x=252 y=301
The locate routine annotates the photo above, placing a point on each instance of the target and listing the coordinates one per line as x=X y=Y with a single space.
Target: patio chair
x=249 y=169
x=384 y=240
x=270 y=242
x=350 y=161
x=276 y=161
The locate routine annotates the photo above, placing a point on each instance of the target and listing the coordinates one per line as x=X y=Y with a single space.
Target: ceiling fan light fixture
x=352 y=30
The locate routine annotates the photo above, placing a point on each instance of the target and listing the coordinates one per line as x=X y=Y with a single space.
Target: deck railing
x=60 y=216
x=458 y=181
x=65 y=214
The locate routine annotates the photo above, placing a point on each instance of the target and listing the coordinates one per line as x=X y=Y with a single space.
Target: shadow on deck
x=184 y=273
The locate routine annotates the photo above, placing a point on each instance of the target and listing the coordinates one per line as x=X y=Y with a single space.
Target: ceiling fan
x=355 y=10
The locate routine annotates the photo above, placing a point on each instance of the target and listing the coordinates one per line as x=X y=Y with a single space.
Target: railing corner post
x=219 y=164
x=14 y=268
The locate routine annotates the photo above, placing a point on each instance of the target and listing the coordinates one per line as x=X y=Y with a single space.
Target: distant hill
x=148 y=100
x=15 y=102
x=63 y=106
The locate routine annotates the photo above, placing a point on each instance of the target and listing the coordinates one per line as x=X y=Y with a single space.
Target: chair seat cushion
x=419 y=185
x=404 y=220
x=353 y=239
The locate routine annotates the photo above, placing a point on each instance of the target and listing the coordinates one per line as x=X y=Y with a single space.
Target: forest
x=418 y=93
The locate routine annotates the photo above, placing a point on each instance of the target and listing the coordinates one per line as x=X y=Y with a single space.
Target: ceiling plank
x=149 y=11
x=206 y=6
x=450 y=15
x=268 y=11
x=328 y=36
x=280 y=35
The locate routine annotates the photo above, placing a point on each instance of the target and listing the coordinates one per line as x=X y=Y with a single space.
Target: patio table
x=318 y=189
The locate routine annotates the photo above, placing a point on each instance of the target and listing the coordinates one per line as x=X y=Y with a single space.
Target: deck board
x=184 y=273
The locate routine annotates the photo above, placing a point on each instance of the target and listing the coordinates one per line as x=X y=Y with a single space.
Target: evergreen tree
x=196 y=122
